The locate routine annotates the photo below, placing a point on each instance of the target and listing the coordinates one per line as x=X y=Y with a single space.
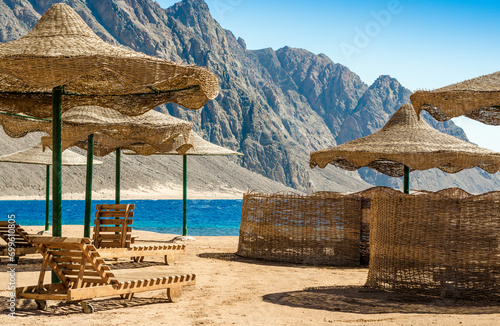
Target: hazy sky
x=424 y=44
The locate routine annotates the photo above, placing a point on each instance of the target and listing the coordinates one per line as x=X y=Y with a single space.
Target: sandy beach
x=232 y=290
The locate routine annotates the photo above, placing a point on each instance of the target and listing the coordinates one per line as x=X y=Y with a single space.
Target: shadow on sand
x=34 y=264
x=363 y=300
x=28 y=308
x=229 y=256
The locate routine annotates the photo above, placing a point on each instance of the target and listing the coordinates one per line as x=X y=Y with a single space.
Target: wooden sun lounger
x=22 y=247
x=84 y=276
x=113 y=236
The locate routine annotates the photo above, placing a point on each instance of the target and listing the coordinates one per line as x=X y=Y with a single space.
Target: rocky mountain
x=274 y=106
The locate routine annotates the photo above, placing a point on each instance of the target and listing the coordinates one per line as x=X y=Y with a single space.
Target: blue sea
x=204 y=217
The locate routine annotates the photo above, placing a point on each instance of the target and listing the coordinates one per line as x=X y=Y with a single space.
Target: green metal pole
x=56 y=165
x=184 y=195
x=88 y=185
x=118 y=175
x=47 y=197
x=406 y=180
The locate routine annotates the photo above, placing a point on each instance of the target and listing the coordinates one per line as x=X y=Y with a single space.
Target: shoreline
x=142 y=194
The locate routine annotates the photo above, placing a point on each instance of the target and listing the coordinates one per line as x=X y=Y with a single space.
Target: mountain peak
x=196 y=7
x=191 y=13
x=385 y=80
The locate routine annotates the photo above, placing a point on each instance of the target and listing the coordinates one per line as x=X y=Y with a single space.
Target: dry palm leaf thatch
x=37 y=155
x=406 y=140
x=477 y=98
x=144 y=134
x=62 y=50
x=198 y=146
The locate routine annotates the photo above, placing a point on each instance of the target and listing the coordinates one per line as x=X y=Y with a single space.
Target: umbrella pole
x=88 y=185
x=184 y=195
x=118 y=175
x=56 y=165
x=406 y=180
x=57 y=161
x=47 y=197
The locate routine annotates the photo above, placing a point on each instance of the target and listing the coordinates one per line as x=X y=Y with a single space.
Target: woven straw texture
x=443 y=244
x=36 y=155
x=145 y=134
x=198 y=146
x=477 y=98
x=406 y=140
x=318 y=229
x=365 y=197
x=62 y=50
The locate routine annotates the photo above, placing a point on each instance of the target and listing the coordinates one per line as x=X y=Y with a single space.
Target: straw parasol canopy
x=37 y=155
x=62 y=50
x=407 y=141
x=477 y=98
x=199 y=147
x=145 y=134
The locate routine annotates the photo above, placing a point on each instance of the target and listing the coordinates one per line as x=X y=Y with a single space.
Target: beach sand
x=232 y=290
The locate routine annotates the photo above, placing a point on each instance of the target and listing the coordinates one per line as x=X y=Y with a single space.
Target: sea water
x=204 y=217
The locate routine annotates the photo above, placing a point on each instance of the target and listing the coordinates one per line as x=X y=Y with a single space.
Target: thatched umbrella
x=110 y=131
x=36 y=155
x=61 y=55
x=200 y=147
x=477 y=98
x=404 y=144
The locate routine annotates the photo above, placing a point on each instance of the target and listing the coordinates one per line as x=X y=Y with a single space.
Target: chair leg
x=174 y=294
x=87 y=307
x=41 y=305
x=127 y=296
x=169 y=259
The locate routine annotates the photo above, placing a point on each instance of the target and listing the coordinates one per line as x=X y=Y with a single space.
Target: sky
x=423 y=44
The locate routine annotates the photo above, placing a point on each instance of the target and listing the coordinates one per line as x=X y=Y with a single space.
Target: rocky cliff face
x=274 y=106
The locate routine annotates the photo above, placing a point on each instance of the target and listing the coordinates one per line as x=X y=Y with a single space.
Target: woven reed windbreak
x=443 y=244
x=318 y=229
x=366 y=198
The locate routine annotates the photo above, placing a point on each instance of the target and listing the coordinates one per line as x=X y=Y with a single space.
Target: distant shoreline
x=141 y=194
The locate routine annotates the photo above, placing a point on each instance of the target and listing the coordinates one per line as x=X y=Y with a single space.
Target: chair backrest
x=21 y=237
x=75 y=261
x=113 y=226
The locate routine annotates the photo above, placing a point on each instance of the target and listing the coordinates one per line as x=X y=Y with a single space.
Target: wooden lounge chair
x=113 y=238
x=23 y=246
x=84 y=276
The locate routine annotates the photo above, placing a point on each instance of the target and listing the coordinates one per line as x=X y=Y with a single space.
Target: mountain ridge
x=274 y=106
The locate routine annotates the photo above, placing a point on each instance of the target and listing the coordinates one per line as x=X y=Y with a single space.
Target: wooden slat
x=113 y=229
x=75 y=266
x=70 y=273
x=111 y=214
x=37 y=296
x=113 y=222
x=111 y=236
x=133 y=287
x=66 y=259
x=116 y=206
x=65 y=253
